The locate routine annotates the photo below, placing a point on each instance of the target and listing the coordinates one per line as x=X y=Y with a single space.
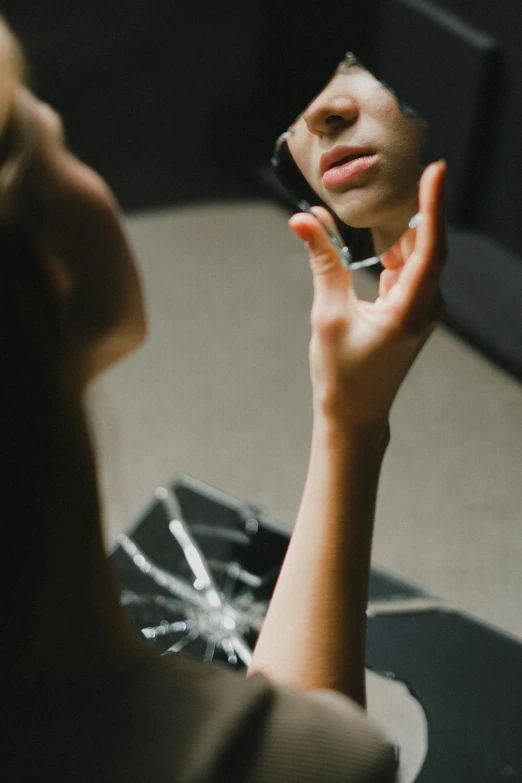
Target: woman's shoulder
x=233 y=727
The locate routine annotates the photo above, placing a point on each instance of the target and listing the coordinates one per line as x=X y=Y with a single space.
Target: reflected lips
x=342 y=163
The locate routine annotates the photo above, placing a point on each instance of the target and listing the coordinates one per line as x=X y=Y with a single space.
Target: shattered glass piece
x=184 y=641
x=206 y=590
x=229 y=650
x=415 y=220
x=161 y=493
x=163 y=578
x=164 y=628
x=251 y=525
x=365 y=262
x=223 y=533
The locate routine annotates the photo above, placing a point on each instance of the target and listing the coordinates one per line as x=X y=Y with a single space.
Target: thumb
x=325 y=261
x=333 y=288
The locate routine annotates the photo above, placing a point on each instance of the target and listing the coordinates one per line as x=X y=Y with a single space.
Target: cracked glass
x=195 y=583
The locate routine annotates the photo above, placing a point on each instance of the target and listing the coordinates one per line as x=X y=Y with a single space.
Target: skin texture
x=354 y=109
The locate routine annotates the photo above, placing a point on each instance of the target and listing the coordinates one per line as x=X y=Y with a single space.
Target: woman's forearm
x=314 y=634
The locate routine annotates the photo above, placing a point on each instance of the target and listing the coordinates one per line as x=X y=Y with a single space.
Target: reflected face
x=358 y=150
x=85 y=248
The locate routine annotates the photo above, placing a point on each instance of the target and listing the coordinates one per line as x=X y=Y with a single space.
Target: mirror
x=357 y=150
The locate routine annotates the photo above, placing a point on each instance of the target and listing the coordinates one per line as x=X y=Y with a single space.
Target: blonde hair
x=17 y=142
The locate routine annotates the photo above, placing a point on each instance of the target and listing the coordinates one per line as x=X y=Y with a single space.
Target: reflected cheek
x=406 y=132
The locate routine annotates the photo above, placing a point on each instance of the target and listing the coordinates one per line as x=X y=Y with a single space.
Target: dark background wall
x=461 y=65
x=136 y=82
x=173 y=104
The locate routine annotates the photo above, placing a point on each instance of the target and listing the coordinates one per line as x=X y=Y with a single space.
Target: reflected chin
x=370 y=207
x=359 y=209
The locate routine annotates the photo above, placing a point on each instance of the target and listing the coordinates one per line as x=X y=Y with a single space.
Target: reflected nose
x=330 y=112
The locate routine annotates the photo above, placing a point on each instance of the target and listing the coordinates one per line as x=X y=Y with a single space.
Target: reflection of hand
x=361 y=351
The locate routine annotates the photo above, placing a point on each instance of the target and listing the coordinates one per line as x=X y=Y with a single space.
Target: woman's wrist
x=343 y=430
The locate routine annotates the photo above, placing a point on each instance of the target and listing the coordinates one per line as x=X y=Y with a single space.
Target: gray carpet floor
x=221 y=391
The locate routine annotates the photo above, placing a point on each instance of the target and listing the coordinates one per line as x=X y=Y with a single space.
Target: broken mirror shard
x=196 y=580
x=198 y=569
x=356 y=149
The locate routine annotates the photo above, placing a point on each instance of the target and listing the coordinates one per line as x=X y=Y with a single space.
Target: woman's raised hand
x=360 y=352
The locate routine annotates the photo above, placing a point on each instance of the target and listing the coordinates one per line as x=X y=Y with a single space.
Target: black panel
x=502 y=214
x=503 y=19
x=443 y=67
x=482 y=288
x=468 y=678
